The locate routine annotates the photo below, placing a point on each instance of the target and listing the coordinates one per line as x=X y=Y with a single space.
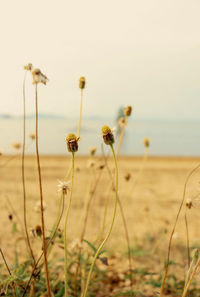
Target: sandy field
x=150 y=200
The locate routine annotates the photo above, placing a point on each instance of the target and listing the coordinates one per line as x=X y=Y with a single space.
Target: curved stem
x=41 y=197
x=50 y=240
x=111 y=226
x=80 y=117
x=23 y=171
x=65 y=227
x=173 y=230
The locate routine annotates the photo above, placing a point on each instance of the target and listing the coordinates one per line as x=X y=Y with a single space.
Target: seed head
x=92 y=150
x=72 y=143
x=1 y=153
x=90 y=164
x=38 y=230
x=189 y=203
x=127 y=176
x=63 y=187
x=82 y=82
x=39 y=77
x=108 y=136
x=127 y=111
x=146 y=142
x=121 y=122
x=28 y=67
x=16 y=145
x=32 y=136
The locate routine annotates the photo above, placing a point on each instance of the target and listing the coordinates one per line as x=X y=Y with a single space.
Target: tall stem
x=65 y=227
x=80 y=117
x=23 y=171
x=111 y=226
x=41 y=196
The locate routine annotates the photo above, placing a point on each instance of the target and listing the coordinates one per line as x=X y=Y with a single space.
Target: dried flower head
x=189 y=203
x=146 y=142
x=16 y=145
x=39 y=77
x=10 y=216
x=101 y=166
x=63 y=186
x=28 y=67
x=75 y=245
x=121 y=122
x=127 y=111
x=72 y=143
x=38 y=230
x=32 y=136
x=127 y=176
x=107 y=134
x=1 y=153
x=90 y=164
x=37 y=206
x=82 y=82
x=92 y=150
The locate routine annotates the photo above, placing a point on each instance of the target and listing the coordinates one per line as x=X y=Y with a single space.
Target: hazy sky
x=145 y=53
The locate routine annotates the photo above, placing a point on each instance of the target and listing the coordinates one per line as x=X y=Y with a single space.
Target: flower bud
x=127 y=111
x=146 y=142
x=82 y=82
x=108 y=136
x=72 y=143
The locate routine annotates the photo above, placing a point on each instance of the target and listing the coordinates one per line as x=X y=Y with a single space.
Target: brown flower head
x=72 y=143
x=39 y=77
x=32 y=136
x=28 y=67
x=92 y=150
x=38 y=230
x=146 y=142
x=108 y=136
x=127 y=111
x=16 y=145
x=82 y=82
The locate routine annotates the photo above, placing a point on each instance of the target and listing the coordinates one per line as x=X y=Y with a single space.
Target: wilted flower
x=127 y=111
x=28 y=67
x=16 y=145
x=82 y=82
x=92 y=150
x=37 y=206
x=188 y=203
x=108 y=136
x=146 y=142
x=63 y=186
x=39 y=77
x=32 y=136
x=72 y=142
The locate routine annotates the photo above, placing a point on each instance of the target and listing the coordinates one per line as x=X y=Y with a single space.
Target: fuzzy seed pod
x=72 y=143
x=82 y=82
x=146 y=142
x=108 y=136
x=127 y=111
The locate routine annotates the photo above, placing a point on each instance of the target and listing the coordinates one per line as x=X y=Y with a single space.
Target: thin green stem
x=65 y=227
x=111 y=226
x=41 y=197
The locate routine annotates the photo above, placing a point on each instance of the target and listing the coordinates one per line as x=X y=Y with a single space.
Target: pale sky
x=145 y=53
